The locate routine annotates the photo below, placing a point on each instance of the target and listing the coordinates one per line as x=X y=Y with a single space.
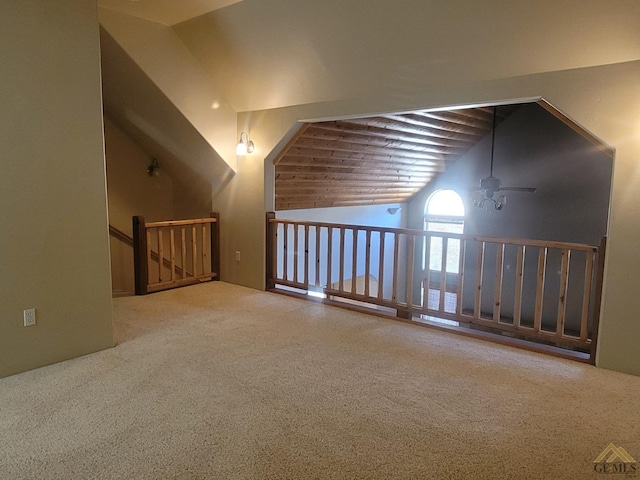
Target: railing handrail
x=460 y=236
x=127 y=240
x=174 y=223
x=322 y=256
x=120 y=235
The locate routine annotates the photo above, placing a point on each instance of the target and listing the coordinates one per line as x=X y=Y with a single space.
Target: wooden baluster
x=586 y=296
x=183 y=244
x=214 y=233
x=477 y=306
x=367 y=262
x=317 y=281
x=341 y=279
x=461 y=260
x=562 y=293
x=542 y=262
x=285 y=251
x=381 y=266
x=354 y=261
x=329 y=255
x=517 y=305
x=160 y=254
x=443 y=273
x=194 y=250
x=172 y=246
x=410 y=267
x=306 y=256
x=296 y=228
x=279 y=231
x=149 y=251
x=427 y=271
x=497 y=297
x=394 y=289
x=204 y=248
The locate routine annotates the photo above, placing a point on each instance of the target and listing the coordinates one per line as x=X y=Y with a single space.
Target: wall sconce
x=153 y=168
x=245 y=146
x=393 y=210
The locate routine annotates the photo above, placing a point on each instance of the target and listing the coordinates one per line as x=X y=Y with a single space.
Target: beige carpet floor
x=217 y=381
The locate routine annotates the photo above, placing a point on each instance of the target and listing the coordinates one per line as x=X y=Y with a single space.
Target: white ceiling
x=166 y=12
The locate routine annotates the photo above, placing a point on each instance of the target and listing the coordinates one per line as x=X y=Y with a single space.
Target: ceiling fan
x=490 y=185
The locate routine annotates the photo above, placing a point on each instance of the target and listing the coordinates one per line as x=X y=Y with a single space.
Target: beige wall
x=54 y=242
x=275 y=53
x=163 y=57
x=439 y=55
x=604 y=99
x=242 y=219
x=581 y=56
x=282 y=55
x=131 y=191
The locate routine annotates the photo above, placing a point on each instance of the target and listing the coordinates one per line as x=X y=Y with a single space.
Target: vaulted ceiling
x=267 y=54
x=165 y=12
x=375 y=160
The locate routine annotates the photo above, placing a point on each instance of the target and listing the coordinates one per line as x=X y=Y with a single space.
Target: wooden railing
x=548 y=292
x=175 y=253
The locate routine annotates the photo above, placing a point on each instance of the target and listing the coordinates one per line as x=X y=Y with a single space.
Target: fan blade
x=517 y=189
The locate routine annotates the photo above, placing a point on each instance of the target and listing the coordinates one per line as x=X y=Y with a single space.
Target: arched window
x=444 y=212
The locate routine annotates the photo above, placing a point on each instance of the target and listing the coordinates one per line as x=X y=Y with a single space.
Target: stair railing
x=175 y=253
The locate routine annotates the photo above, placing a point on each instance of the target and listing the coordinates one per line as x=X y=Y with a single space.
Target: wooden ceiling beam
x=375 y=182
x=481 y=114
x=427 y=120
x=394 y=149
x=355 y=143
x=376 y=177
x=343 y=185
x=286 y=165
x=419 y=126
x=359 y=169
x=484 y=124
x=384 y=141
x=343 y=201
x=352 y=176
x=307 y=189
x=314 y=153
x=378 y=189
x=337 y=203
x=343 y=196
x=369 y=131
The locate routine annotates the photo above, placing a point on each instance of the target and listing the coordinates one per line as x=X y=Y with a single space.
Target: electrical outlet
x=29 y=317
x=237 y=255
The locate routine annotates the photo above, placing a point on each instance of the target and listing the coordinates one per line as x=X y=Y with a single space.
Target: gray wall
x=573 y=178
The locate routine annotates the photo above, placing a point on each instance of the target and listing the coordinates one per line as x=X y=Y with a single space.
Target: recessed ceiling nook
x=389 y=157
x=527 y=270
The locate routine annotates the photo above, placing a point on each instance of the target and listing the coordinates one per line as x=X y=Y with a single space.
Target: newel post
x=215 y=245
x=140 y=267
x=598 y=300
x=270 y=232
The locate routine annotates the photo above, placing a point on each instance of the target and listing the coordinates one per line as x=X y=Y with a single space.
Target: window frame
x=457 y=220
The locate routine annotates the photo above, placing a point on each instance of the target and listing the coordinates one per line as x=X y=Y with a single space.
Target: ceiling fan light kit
x=490 y=185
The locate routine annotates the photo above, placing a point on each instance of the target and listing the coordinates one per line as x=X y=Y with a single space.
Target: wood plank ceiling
x=375 y=160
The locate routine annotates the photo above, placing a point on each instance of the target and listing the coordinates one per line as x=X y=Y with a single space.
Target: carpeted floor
x=223 y=382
